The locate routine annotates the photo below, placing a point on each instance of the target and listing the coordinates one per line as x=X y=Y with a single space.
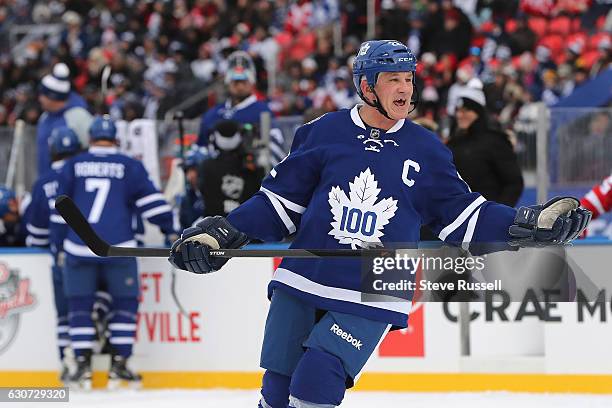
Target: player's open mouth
x=399 y=102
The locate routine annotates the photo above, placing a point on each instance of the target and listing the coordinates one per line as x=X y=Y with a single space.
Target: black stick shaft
x=181 y=129
x=77 y=221
x=240 y=253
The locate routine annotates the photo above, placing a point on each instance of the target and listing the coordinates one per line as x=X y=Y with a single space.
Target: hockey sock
x=122 y=325
x=274 y=390
x=61 y=309
x=82 y=330
x=63 y=338
x=319 y=380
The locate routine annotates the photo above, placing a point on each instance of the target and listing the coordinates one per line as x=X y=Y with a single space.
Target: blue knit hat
x=56 y=85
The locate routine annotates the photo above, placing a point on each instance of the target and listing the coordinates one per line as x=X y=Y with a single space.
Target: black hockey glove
x=191 y=250
x=557 y=222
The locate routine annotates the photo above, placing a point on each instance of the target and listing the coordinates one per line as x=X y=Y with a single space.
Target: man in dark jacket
x=483 y=156
x=233 y=176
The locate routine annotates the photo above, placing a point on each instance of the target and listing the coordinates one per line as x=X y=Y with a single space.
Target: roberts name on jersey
x=97 y=169
x=111 y=189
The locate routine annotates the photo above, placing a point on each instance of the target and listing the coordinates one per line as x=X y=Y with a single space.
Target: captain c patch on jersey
x=359 y=219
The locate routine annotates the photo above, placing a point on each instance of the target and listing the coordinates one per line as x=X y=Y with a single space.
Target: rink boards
x=558 y=347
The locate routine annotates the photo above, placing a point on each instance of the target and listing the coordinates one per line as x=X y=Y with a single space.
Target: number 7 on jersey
x=101 y=187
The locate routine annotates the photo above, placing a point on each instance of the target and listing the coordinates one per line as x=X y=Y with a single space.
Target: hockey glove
x=191 y=250
x=557 y=222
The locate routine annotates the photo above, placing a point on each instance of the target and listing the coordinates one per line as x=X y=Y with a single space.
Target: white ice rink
x=248 y=399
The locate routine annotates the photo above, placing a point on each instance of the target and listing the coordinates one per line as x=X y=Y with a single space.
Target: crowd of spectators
x=163 y=51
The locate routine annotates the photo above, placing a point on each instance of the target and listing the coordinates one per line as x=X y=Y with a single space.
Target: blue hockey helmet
x=194 y=157
x=378 y=56
x=6 y=196
x=63 y=142
x=103 y=128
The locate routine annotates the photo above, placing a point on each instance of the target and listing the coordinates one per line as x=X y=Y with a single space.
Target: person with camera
x=243 y=106
x=233 y=176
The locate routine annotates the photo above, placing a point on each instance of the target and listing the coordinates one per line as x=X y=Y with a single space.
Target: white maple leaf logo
x=358 y=218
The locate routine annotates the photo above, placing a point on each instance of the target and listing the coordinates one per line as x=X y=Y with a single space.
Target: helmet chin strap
x=376 y=104
x=414 y=100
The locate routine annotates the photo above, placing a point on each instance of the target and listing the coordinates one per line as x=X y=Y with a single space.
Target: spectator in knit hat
x=483 y=156
x=62 y=72
x=59 y=110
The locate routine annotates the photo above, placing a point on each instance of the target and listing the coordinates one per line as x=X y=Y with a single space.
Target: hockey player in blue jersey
x=44 y=231
x=360 y=178
x=242 y=106
x=191 y=203
x=109 y=188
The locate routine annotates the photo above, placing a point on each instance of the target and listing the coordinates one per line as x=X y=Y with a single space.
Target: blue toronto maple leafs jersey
x=347 y=185
x=41 y=232
x=109 y=188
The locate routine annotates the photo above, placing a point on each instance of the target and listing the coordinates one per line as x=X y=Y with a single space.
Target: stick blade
x=77 y=221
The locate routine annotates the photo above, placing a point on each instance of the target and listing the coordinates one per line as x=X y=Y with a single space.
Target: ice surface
x=248 y=399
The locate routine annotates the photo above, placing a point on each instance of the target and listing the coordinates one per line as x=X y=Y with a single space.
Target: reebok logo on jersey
x=346 y=336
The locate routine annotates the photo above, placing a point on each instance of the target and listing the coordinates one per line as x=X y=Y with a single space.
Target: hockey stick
x=75 y=219
x=178 y=116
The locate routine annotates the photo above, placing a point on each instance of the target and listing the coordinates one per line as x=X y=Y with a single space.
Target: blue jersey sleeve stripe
x=57 y=219
x=156 y=211
x=280 y=211
x=289 y=204
x=36 y=230
x=33 y=241
x=471 y=227
x=303 y=284
x=461 y=218
x=151 y=198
